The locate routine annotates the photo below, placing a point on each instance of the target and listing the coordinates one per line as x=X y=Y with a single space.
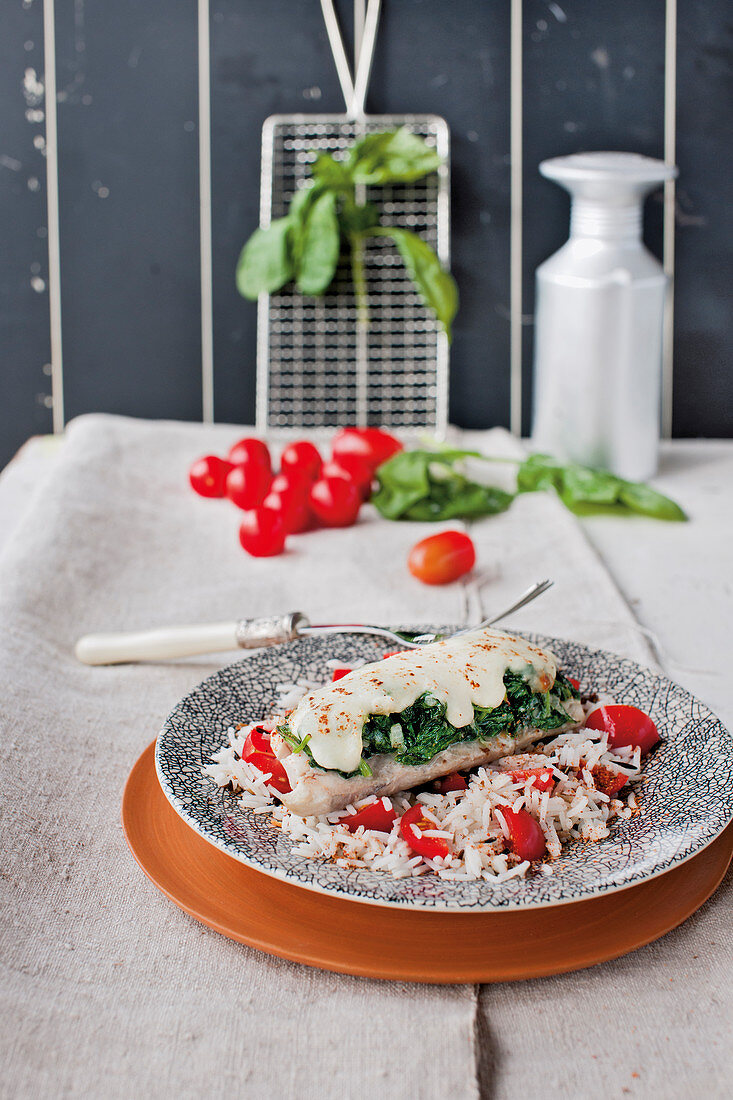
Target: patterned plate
x=687 y=796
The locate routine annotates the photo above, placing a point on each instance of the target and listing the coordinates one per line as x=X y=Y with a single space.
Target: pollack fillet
x=461 y=672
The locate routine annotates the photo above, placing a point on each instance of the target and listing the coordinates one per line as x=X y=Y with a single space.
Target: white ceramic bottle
x=598 y=320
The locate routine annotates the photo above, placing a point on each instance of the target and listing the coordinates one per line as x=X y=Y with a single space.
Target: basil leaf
x=319 y=246
x=395 y=156
x=265 y=263
x=436 y=287
x=648 y=502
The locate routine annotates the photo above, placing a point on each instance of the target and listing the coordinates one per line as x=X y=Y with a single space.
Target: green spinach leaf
x=332 y=173
x=648 y=502
x=583 y=489
x=320 y=242
x=265 y=263
x=306 y=244
x=357 y=218
x=425 y=730
x=395 y=156
x=423 y=485
x=434 y=284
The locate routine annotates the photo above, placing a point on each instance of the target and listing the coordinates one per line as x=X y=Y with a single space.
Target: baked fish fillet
x=317 y=792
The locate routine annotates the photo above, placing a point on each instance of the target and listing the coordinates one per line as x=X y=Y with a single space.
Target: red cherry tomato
x=375 y=816
x=258 y=740
x=543 y=777
x=303 y=457
x=339 y=673
x=250 y=450
x=291 y=481
x=412 y=827
x=574 y=682
x=208 y=476
x=525 y=835
x=335 y=501
x=625 y=725
x=292 y=506
x=372 y=445
x=454 y=782
x=442 y=558
x=262 y=532
x=353 y=468
x=248 y=484
x=259 y=754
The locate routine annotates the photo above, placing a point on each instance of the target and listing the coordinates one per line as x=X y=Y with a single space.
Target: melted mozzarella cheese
x=462 y=672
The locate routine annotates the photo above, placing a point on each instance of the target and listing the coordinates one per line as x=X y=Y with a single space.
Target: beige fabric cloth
x=107 y=988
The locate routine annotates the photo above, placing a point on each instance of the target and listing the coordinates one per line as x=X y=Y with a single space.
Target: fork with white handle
x=192 y=641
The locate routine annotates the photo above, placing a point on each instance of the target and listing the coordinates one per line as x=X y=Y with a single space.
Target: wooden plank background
x=128 y=171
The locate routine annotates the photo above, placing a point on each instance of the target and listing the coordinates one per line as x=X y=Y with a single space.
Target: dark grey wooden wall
x=128 y=176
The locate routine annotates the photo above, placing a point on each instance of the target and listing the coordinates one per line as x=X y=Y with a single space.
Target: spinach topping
x=422 y=730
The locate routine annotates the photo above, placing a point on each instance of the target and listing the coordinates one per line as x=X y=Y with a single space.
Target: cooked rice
x=573 y=809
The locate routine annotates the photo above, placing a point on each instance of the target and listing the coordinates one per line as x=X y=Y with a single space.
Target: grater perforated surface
x=316 y=366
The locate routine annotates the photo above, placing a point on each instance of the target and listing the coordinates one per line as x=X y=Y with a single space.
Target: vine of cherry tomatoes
x=306 y=493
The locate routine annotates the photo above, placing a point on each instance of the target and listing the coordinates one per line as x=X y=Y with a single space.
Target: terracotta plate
x=686 y=801
x=355 y=938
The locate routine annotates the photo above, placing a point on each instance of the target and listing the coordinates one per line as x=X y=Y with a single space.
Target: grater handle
x=338 y=51
x=365 y=58
x=354 y=91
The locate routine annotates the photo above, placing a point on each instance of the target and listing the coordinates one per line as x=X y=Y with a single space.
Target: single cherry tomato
x=372 y=445
x=250 y=450
x=525 y=835
x=339 y=673
x=258 y=740
x=208 y=476
x=412 y=826
x=335 y=501
x=291 y=481
x=608 y=780
x=269 y=764
x=248 y=484
x=574 y=682
x=625 y=725
x=262 y=532
x=292 y=506
x=303 y=457
x=353 y=468
x=442 y=558
x=453 y=782
x=258 y=752
x=375 y=816
x=543 y=777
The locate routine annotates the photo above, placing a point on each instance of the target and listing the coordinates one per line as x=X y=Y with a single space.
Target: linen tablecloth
x=107 y=988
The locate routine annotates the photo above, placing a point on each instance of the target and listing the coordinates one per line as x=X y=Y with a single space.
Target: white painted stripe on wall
x=670 y=155
x=515 y=260
x=206 y=248
x=52 y=216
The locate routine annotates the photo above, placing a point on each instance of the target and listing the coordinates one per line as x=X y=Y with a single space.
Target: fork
x=191 y=641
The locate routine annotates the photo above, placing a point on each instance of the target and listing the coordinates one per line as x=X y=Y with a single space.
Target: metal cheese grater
x=318 y=364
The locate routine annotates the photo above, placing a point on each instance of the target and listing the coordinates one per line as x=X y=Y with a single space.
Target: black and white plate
x=686 y=798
